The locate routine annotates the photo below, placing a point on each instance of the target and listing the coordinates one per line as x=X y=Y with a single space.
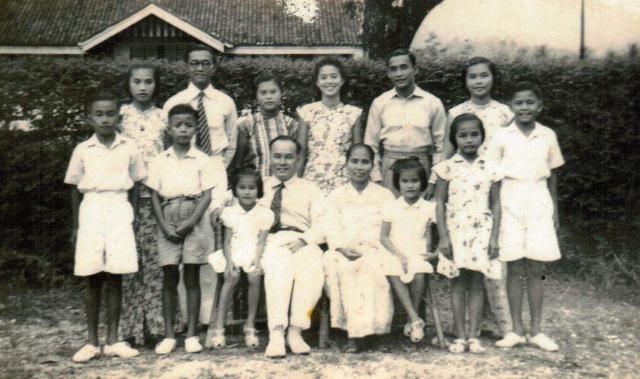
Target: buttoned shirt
x=355 y=217
x=302 y=206
x=95 y=167
x=413 y=124
x=221 y=117
x=524 y=157
x=190 y=175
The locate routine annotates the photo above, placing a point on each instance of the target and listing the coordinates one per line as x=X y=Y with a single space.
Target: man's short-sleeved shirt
x=96 y=167
x=524 y=157
x=194 y=173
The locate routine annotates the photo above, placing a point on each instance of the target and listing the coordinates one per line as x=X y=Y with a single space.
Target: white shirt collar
x=192 y=91
x=94 y=141
x=171 y=153
x=418 y=92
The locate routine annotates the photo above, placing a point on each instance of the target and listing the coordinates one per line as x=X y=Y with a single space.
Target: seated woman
x=360 y=295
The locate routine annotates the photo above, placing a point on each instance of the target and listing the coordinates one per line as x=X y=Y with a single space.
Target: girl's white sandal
x=458 y=346
x=475 y=346
x=218 y=341
x=417 y=331
x=251 y=340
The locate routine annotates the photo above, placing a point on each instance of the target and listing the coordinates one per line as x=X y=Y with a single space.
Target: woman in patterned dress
x=328 y=128
x=145 y=124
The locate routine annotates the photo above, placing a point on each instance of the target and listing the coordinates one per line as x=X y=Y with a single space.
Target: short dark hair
x=526 y=86
x=200 y=47
x=286 y=138
x=101 y=96
x=459 y=119
x=406 y=164
x=182 y=109
x=266 y=76
x=244 y=172
x=398 y=52
x=143 y=64
x=479 y=60
x=355 y=146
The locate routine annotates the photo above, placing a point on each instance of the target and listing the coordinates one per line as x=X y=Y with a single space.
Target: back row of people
x=406 y=122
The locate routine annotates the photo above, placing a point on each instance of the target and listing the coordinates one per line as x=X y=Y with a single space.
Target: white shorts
x=106 y=242
x=526 y=227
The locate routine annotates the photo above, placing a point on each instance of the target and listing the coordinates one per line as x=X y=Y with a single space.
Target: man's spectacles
x=204 y=64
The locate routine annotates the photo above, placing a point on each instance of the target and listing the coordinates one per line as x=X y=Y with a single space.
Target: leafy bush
x=592 y=105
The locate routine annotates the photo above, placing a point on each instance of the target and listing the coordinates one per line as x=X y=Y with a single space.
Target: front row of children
x=500 y=204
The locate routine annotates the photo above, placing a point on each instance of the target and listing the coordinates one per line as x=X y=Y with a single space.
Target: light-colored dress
x=246 y=226
x=142 y=291
x=494 y=115
x=469 y=219
x=409 y=227
x=360 y=295
x=329 y=138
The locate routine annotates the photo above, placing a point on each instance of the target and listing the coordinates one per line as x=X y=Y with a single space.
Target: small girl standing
x=145 y=125
x=246 y=228
x=405 y=233
x=468 y=214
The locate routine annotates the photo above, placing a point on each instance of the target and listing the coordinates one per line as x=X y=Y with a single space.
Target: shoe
x=217 y=339
x=297 y=344
x=120 y=349
x=417 y=331
x=543 y=342
x=275 y=348
x=475 y=346
x=510 y=340
x=166 y=346
x=86 y=353
x=192 y=345
x=458 y=346
x=250 y=337
x=407 y=329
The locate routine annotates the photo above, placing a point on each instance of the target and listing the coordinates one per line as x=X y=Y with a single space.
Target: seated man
x=292 y=262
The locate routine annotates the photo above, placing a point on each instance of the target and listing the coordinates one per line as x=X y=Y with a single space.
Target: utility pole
x=583 y=49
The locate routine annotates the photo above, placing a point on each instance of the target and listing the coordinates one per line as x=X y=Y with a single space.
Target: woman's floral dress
x=141 y=314
x=329 y=138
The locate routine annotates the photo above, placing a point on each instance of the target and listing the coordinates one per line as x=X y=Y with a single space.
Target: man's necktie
x=276 y=207
x=202 y=136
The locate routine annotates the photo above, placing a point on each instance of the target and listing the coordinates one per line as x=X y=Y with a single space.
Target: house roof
x=232 y=22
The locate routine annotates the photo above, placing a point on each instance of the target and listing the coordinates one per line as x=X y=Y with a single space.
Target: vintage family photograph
x=319 y=189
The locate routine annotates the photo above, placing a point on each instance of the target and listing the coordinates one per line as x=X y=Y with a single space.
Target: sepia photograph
x=319 y=189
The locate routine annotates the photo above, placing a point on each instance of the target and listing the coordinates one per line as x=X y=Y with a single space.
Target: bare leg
x=114 y=305
x=417 y=290
x=255 y=284
x=92 y=305
x=535 y=291
x=515 y=291
x=459 y=304
x=171 y=276
x=192 y=285
x=476 y=301
x=405 y=299
x=226 y=293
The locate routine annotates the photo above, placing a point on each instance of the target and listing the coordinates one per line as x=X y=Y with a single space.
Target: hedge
x=592 y=105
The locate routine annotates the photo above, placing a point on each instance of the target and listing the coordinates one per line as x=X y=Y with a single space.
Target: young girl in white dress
x=246 y=226
x=468 y=214
x=405 y=234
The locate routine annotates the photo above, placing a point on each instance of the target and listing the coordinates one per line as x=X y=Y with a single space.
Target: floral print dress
x=329 y=138
x=141 y=314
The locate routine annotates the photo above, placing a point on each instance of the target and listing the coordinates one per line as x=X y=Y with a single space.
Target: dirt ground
x=599 y=337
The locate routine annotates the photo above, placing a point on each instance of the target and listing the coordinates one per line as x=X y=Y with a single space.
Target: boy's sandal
x=510 y=340
x=250 y=337
x=86 y=353
x=417 y=331
x=121 y=349
x=458 y=346
x=543 y=342
x=165 y=346
x=218 y=340
x=192 y=345
x=475 y=346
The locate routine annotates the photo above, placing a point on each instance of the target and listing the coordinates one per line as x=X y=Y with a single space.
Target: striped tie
x=202 y=136
x=276 y=207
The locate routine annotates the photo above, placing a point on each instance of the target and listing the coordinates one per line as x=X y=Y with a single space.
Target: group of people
x=316 y=203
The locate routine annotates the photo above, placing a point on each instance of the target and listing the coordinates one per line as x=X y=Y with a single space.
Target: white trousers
x=291 y=280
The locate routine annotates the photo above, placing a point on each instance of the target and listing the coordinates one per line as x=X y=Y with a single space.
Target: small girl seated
x=246 y=226
x=405 y=234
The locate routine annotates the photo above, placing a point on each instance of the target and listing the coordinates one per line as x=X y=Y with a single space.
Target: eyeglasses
x=204 y=64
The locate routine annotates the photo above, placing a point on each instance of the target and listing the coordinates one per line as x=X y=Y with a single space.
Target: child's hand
x=494 y=250
x=295 y=245
x=230 y=271
x=183 y=228
x=350 y=254
x=169 y=231
x=431 y=190
x=214 y=217
x=444 y=246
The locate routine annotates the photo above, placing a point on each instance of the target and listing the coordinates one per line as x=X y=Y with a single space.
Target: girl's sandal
x=407 y=329
x=217 y=339
x=458 y=346
x=250 y=337
x=475 y=346
x=417 y=331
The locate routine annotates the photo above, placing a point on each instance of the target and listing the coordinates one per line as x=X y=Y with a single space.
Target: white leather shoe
x=192 y=345
x=297 y=344
x=86 y=353
x=120 y=349
x=275 y=348
x=510 y=340
x=166 y=346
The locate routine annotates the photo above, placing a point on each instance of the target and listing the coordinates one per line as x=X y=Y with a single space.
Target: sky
x=610 y=24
